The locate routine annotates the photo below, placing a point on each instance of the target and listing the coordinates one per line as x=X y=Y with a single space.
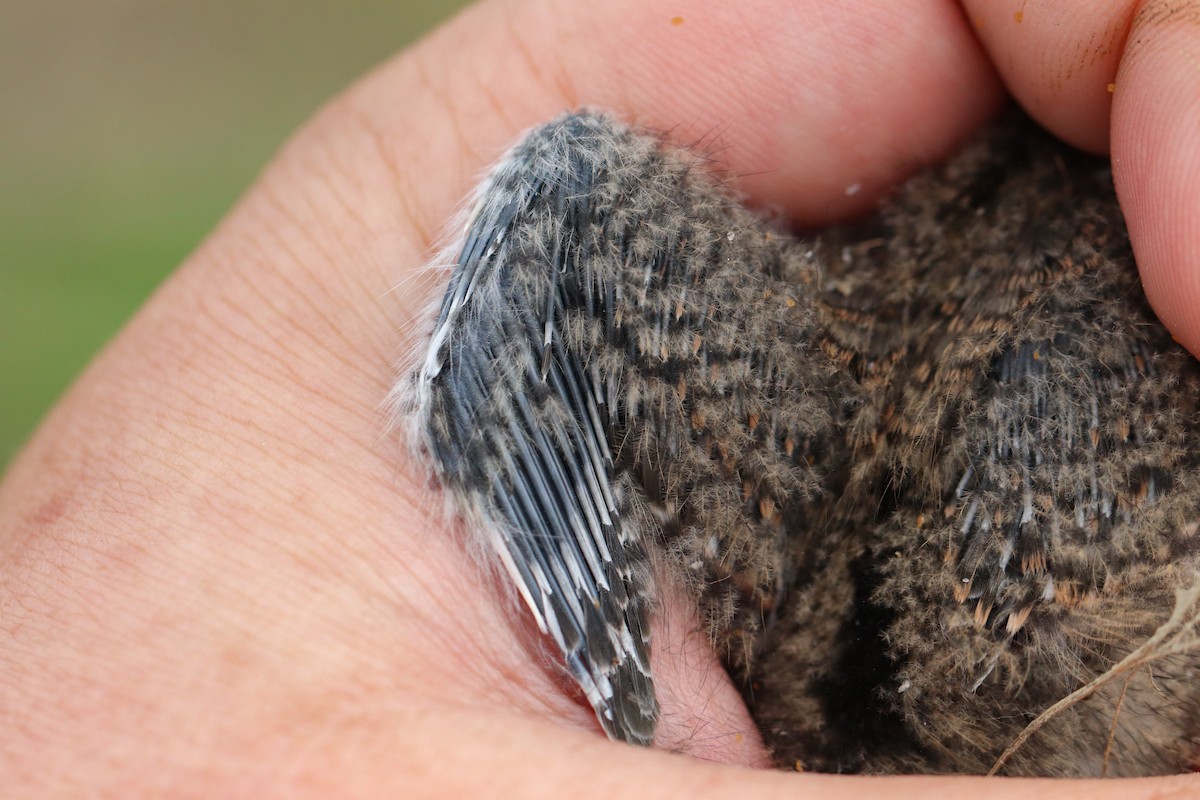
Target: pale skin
x=220 y=577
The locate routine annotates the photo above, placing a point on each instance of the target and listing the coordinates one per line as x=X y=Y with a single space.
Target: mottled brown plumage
x=925 y=477
x=1022 y=494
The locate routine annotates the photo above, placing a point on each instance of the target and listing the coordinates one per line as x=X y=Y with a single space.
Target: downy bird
x=931 y=479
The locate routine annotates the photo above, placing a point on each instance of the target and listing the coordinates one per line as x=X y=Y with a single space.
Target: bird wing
x=619 y=333
x=516 y=422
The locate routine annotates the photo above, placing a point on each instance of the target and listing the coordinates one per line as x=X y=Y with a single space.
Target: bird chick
x=932 y=480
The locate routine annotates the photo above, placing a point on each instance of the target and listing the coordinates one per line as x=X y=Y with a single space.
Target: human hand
x=220 y=578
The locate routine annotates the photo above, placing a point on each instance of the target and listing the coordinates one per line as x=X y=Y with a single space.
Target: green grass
x=130 y=127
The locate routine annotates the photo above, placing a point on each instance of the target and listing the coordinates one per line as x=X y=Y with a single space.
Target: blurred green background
x=127 y=128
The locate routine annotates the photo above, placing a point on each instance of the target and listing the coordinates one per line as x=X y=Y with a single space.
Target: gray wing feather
x=517 y=426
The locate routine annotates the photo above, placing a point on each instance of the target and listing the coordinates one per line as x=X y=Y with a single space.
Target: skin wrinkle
x=407 y=205
x=291 y=243
x=227 y=314
x=77 y=560
x=338 y=172
x=255 y=437
x=441 y=96
x=549 y=77
x=546 y=691
x=231 y=352
x=284 y=215
x=541 y=698
x=321 y=338
x=309 y=453
x=430 y=607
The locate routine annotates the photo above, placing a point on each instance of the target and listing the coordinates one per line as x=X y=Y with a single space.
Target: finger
x=1059 y=59
x=1156 y=158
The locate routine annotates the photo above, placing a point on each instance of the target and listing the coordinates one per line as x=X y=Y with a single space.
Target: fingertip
x=1057 y=61
x=1156 y=160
